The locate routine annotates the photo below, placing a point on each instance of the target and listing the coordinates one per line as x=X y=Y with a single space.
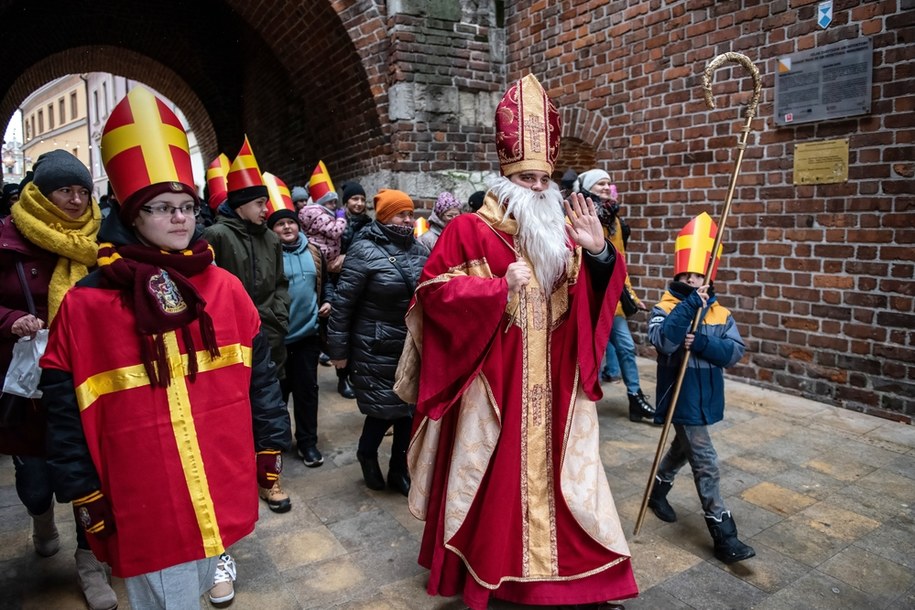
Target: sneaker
x=311 y=457
x=95 y=581
x=223 y=590
x=609 y=378
x=276 y=498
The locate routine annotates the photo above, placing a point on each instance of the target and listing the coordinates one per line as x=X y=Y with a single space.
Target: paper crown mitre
x=244 y=182
x=278 y=194
x=244 y=171
x=216 y=180
x=693 y=247
x=320 y=185
x=144 y=143
x=527 y=128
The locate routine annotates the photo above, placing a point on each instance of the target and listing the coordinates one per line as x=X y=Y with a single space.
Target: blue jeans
x=694 y=445
x=619 y=359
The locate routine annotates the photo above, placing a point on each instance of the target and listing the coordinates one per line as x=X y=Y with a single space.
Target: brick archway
x=583 y=132
x=294 y=78
x=123 y=63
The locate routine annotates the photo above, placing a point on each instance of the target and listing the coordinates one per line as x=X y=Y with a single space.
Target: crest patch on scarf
x=166 y=293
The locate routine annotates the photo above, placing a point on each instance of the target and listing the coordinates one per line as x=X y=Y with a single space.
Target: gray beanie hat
x=299 y=193
x=57 y=169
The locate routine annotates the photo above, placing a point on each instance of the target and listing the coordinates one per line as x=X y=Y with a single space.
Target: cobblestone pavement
x=824 y=495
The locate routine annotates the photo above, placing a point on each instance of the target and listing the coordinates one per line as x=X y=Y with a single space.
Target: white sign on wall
x=824 y=14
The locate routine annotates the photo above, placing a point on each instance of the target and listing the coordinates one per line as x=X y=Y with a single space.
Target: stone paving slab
x=825 y=496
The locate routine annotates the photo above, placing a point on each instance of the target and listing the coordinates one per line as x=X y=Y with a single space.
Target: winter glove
x=94 y=513
x=700 y=342
x=269 y=467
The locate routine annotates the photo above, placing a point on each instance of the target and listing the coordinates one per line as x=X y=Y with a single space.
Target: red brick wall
x=820 y=277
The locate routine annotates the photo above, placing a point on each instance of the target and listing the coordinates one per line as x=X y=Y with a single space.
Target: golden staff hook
x=717 y=61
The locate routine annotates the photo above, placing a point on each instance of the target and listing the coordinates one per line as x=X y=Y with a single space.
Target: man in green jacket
x=245 y=247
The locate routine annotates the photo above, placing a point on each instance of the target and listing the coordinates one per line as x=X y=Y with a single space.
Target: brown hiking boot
x=276 y=498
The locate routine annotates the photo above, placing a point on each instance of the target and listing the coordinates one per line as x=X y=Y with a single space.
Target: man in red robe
x=508 y=327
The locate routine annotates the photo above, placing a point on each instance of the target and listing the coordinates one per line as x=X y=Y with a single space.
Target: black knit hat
x=568 y=178
x=476 y=200
x=9 y=190
x=57 y=169
x=247 y=194
x=350 y=189
x=280 y=215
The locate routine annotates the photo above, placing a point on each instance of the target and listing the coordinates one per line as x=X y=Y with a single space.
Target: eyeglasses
x=162 y=210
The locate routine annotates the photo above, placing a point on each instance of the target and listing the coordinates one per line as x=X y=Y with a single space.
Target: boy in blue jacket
x=715 y=346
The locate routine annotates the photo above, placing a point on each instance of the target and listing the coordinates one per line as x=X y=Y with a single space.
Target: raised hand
x=585 y=229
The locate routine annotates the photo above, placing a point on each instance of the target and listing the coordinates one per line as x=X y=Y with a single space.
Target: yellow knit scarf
x=48 y=227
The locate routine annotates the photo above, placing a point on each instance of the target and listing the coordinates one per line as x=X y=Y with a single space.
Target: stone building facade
x=401 y=94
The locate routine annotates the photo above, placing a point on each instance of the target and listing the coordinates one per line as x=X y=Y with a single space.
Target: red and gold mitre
x=527 y=128
x=216 y=180
x=420 y=226
x=144 y=143
x=244 y=172
x=320 y=184
x=278 y=195
x=693 y=247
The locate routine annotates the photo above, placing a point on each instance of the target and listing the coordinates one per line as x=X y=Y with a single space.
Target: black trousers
x=302 y=382
x=373 y=433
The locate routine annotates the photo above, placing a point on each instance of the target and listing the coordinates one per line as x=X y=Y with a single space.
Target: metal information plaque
x=824 y=162
x=830 y=82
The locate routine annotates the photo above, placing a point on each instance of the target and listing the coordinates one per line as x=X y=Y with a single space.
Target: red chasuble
x=176 y=463
x=505 y=456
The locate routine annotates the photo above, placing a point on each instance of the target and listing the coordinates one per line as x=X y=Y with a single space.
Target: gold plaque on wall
x=823 y=162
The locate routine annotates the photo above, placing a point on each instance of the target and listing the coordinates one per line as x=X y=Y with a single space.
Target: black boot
x=658 y=503
x=344 y=388
x=371 y=471
x=728 y=549
x=398 y=475
x=639 y=407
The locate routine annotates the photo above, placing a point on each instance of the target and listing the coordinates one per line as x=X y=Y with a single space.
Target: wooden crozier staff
x=744 y=61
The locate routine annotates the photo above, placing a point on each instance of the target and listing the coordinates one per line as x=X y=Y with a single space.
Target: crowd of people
x=219 y=311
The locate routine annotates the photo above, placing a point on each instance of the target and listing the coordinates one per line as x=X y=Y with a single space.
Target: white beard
x=541 y=228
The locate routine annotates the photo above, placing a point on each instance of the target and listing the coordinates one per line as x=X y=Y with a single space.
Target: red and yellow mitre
x=278 y=195
x=144 y=143
x=527 y=128
x=244 y=171
x=216 y=180
x=693 y=247
x=320 y=184
x=420 y=226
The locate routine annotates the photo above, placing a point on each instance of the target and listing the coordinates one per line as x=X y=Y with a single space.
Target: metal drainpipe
x=85 y=79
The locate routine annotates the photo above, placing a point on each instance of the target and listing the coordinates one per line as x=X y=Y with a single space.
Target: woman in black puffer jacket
x=367 y=330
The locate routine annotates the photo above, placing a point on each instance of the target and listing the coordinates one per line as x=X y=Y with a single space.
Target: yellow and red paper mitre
x=244 y=182
x=527 y=128
x=420 y=226
x=694 y=247
x=278 y=195
x=217 y=186
x=320 y=186
x=144 y=143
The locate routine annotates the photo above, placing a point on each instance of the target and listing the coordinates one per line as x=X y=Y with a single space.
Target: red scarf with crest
x=154 y=285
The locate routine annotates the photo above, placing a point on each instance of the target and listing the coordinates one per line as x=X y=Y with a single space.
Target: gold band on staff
x=717 y=61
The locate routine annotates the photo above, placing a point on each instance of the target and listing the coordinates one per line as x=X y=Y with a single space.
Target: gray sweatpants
x=176 y=588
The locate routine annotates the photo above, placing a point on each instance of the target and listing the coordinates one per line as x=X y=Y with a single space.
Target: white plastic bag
x=24 y=373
